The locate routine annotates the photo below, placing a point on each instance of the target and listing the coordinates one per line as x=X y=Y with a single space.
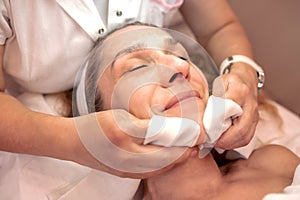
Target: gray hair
x=89 y=75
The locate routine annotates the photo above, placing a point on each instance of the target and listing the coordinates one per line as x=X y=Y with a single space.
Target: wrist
x=245 y=71
x=243 y=65
x=75 y=149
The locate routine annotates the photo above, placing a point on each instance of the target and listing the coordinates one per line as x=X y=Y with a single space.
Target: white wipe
x=217 y=118
x=172 y=131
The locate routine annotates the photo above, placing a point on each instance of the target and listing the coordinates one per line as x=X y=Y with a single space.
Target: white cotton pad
x=217 y=119
x=172 y=131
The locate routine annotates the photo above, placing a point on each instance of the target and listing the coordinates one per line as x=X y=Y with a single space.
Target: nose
x=180 y=66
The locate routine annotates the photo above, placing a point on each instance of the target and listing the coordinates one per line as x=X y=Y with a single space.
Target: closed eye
x=136 y=68
x=183 y=58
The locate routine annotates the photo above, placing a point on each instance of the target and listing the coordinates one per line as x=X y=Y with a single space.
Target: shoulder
x=275 y=159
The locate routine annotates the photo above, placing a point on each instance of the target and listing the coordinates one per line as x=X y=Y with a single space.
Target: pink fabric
x=169 y=4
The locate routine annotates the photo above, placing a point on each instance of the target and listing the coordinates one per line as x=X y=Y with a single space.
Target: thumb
x=218 y=88
x=131 y=125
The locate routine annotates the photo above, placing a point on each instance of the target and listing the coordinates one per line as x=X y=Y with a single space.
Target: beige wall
x=273 y=27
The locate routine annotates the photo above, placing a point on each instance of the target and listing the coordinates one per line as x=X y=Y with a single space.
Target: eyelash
x=183 y=58
x=142 y=66
x=136 y=68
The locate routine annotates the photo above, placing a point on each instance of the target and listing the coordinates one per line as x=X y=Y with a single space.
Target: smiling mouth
x=175 y=100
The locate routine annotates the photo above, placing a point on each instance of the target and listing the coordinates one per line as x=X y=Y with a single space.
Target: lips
x=181 y=97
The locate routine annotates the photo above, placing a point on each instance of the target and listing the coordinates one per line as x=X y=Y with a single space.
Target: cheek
x=199 y=83
x=141 y=100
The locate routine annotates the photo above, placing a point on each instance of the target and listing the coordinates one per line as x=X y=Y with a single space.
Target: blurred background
x=273 y=28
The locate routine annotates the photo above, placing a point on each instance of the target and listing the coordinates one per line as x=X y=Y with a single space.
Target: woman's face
x=151 y=75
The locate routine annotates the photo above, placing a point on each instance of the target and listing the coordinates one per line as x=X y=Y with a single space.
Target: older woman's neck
x=193 y=177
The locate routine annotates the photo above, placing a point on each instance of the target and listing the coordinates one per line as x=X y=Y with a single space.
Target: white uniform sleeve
x=5 y=28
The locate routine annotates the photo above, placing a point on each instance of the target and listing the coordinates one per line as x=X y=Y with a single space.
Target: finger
x=159 y=153
x=160 y=158
x=131 y=158
x=242 y=130
x=154 y=172
x=130 y=125
x=219 y=86
x=242 y=139
x=238 y=135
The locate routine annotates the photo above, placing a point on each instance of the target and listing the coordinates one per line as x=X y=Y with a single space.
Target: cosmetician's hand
x=112 y=141
x=240 y=85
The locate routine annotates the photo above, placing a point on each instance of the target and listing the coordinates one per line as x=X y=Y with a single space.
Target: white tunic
x=45 y=43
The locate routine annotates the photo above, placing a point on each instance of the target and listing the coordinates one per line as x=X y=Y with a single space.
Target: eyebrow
x=140 y=46
x=168 y=42
x=129 y=50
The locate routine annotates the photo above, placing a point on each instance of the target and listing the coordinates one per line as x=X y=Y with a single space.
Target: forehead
x=137 y=34
x=136 y=37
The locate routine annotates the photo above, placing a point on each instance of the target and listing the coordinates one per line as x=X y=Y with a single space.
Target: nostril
x=174 y=76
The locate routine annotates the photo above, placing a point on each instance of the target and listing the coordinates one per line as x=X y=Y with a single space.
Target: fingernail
x=194 y=152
